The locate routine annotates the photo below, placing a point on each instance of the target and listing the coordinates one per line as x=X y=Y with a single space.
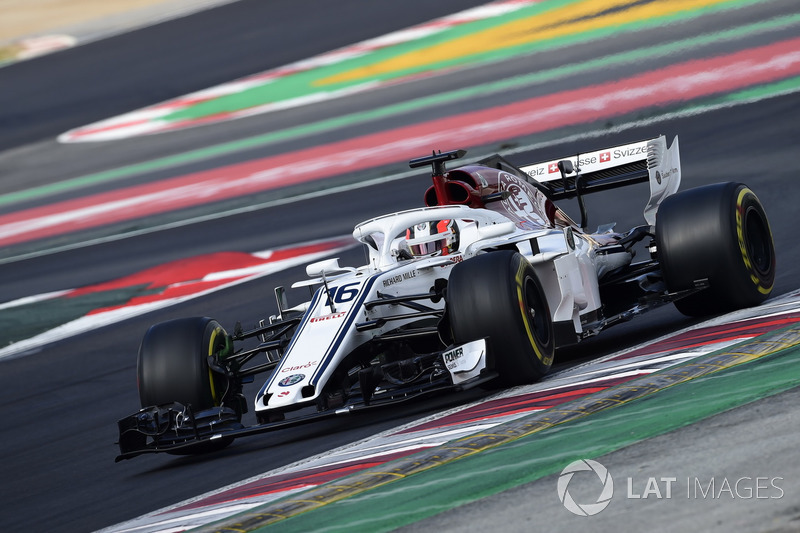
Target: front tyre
x=717 y=232
x=173 y=367
x=498 y=296
x=173 y=363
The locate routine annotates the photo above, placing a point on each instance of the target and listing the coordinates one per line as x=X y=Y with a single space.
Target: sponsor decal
x=536 y=171
x=310 y=364
x=391 y=281
x=288 y=381
x=590 y=162
x=463 y=361
x=629 y=151
x=669 y=172
x=399 y=278
x=332 y=316
x=284 y=393
x=453 y=260
x=451 y=358
x=520 y=204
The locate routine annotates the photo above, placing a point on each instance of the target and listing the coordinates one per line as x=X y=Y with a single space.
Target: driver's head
x=437 y=237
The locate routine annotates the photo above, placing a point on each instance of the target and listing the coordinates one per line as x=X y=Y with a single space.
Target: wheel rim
x=537 y=312
x=216 y=344
x=757 y=238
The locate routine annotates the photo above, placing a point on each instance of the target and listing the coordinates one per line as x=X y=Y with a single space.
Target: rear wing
x=649 y=160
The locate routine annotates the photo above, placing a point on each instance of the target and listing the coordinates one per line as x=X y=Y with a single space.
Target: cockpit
x=427 y=232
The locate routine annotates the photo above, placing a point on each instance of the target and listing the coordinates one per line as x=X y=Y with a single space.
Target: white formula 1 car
x=479 y=287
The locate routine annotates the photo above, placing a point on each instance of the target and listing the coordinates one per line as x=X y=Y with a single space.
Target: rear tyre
x=498 y=296
x=721 y=233
x=173 y=367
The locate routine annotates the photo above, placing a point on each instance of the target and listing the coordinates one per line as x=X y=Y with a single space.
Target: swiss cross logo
x=605 y=157
x=552 y=168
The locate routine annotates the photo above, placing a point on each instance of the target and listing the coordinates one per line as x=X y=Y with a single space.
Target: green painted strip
x=375 y=500
x=416 y=105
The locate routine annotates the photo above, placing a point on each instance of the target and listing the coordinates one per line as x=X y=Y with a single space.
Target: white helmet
x=437 y=237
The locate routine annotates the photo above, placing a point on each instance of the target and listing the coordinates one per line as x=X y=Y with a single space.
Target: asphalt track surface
x=60 y=405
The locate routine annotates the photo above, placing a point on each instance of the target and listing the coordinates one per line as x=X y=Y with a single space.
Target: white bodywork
x=564 y=259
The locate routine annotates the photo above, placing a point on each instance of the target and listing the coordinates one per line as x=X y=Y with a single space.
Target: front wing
x=176 y=428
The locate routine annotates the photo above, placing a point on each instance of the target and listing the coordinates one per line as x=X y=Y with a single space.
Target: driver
x=437 y=237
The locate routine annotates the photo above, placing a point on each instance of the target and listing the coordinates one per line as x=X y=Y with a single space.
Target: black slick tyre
x=173 y=363
x=173 y=367
x=498 y=296
x=720 y=233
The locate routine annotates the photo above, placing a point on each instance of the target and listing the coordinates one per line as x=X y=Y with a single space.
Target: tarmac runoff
x=424 y=484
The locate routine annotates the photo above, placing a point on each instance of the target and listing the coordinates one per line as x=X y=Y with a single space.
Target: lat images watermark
x=586 y=509
x=595 y=487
